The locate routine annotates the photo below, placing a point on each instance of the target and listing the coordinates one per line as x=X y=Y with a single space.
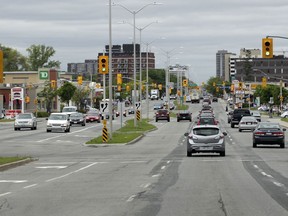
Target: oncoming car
x=25 y=120
x=58 y=122
x=207 y=139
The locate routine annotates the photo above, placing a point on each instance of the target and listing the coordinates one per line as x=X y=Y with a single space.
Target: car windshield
x=68 y=109
x=206 y=131
x=24 y=116
x=76 y=115
x=206 y=121
x=58 y=117
x=92 y=114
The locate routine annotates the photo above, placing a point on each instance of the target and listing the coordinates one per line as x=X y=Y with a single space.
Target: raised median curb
x=15 y=164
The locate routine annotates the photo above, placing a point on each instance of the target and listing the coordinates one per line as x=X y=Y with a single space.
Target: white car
x=247 y=123
x=25 y=120
x=284 y=114
x=58 y=122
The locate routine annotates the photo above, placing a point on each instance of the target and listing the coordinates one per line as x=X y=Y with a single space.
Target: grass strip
x=6 y=160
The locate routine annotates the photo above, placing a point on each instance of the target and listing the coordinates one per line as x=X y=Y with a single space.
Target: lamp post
x=134 y=48
x=140 y=59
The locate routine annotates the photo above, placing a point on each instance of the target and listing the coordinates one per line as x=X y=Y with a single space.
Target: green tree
x=79 y=97
x=213 y=89
x=48 y=94
x=13 y=60
x=39 y=55
x=66 y=92
x=270 y=91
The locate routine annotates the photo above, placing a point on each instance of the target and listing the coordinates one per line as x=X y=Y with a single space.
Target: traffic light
x=127 y=88
x=240 y=85
x=160 y=87
x=185 y=83
x=103 y=64
x=119 y=79
x=53 y=84
x=119 y=88
x=35 y=101
x=217 y=89
x=232 y=87
x=267 y=48
x=79 y=80
x=264 y=82
x=170 y=90
x=214 y=84
x=27 y=99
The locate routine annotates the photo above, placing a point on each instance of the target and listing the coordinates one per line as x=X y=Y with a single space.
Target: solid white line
x=157 y=175
x=5 y=194
x=265 y=174
x=255 y=166
x=168 y=162
x=163 y=167
x=29 y=186
x=13 y=181
x=83 y=168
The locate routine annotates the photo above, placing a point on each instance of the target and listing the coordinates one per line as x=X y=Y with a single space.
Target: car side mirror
x=225 y=133
x=186 y=134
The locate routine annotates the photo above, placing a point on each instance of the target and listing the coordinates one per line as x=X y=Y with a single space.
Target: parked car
x=77 y=118
x=25 y=120
x=269 y=133
x=92 y=116
x=247 y=123
x=257 y=115
x=284 y=114
x=206 y=138
x=58 y=122
x=162 y=114
x=184 y=115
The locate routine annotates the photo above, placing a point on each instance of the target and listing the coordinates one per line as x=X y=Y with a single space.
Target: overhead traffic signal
x=119 y=88
x=27 y=99
x=119 y=79
x=127 y=88
x=53 y=84
x=80 y=80
x=264 y=82
x=103 y=64
x=267 y=48
x=160 y=87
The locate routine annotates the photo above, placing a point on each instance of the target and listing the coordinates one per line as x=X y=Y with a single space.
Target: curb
x=15 y=164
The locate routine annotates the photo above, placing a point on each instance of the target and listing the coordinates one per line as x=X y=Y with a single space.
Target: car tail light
x=259 y=133
x=219 y=137
x=242 y=122
x=255 y=122
x=278 y=133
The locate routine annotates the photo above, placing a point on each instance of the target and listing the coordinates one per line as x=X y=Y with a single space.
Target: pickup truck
x=237 y=115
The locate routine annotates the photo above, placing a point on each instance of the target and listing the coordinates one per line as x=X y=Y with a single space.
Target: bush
x=41 y=114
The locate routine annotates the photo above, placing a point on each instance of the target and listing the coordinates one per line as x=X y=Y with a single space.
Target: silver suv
x=206 y=138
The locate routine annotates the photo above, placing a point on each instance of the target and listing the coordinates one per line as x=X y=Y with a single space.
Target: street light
x=134 y=48
x=140 y=58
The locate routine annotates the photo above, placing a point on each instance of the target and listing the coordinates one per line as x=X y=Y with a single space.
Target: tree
x=270 y=91
x=39 y=55
x=211 y=88
x=13 y=60
x=80 y=96
x=66 y=92
x=48 y=94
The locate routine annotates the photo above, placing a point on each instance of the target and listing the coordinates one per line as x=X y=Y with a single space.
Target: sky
x=189 y=32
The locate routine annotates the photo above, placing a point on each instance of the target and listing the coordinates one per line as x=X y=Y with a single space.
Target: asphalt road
x=150 y=177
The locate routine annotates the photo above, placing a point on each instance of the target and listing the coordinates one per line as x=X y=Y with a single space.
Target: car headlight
x=64 y=125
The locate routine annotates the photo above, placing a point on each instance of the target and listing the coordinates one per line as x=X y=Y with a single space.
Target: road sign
x=138 y=105
x=43 y=75
x=104 y=107
x=138 y=115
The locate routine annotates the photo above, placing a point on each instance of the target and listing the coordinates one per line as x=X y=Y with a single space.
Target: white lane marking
x=133 y=162
x=131 y=198
x=265 y=174
x=13 y=181
x=163 y=167
x=4 y=194
x=64 y=134
x=51 y=167
x=29 y=186
x=147 y=185
x=157 y=175
x=255 y=166
x=51 y=163
x=83 y=168
x=168 y=162
x=278 y=184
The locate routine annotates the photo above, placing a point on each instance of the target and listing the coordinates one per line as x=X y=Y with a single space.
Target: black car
x=214 y=99
x=269 y=133
x=184 y=115
x=77 y=118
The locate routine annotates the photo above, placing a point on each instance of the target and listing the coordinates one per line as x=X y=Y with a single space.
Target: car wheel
x=282 y=145
x=222 y=154
x=68 y=130
x=83 y=124
x=48 y=131
x=189 y=153
x=156 y=120
x=254 y=145
x=168 y=119
x=240 y=130
x=15 y=129
x=232 y=125
x=178 y=120
x=35 y=128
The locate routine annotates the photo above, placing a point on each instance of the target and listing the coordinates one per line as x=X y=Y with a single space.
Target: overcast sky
x=194 y=30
